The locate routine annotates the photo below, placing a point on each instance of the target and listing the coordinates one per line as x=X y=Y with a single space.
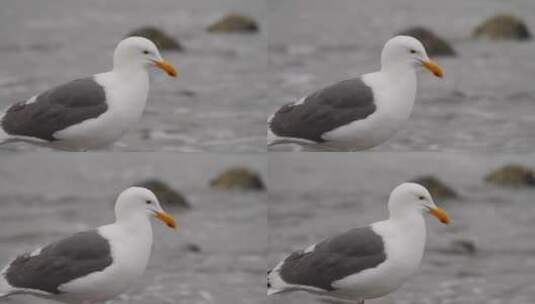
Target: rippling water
x=486 y=102
x=314 y=196
x=45 y=197
x=218 y=104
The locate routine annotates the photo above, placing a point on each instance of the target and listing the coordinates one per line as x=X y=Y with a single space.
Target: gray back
x=56 y=109
x=334 y=259
x=60 y=262
x=325 y=110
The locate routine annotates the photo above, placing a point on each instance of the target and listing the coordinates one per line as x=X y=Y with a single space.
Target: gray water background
x=485 y=102
x=219 y=103
x=47 y=196
x=314 y=196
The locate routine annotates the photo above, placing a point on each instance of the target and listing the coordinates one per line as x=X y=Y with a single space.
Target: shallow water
x=314 y=196
x=484 y=103
x=231 y=83
x=49 y=196
x=218 y=104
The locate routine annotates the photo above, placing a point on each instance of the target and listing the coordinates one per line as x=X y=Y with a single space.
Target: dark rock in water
x=165 y=194
x=436 y=187
x=463 y=246
x=188 y=93
x=503 y=27
x=159 y=37
x=234 y=23
x=238 y=178
x=191 y=247
x=512 y=176
x=459 y=247
x=434 y=45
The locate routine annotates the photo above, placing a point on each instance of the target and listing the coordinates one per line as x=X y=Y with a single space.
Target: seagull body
x=91 y=266
x=366 y=262
x=92 y=112
x=358 y=113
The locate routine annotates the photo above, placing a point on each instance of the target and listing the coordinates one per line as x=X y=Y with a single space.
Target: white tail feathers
x=275 y=283
x=4 y=137
x=5 y=288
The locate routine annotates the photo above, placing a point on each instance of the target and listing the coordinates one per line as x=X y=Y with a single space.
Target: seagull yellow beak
x=440 y=214
x=168 y=219
x=167 y=67
x=434 y=68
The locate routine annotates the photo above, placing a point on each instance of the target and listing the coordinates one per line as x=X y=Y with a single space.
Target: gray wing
x=60 y=262
x=56 y=109
x=324 y=111
x=334 y=259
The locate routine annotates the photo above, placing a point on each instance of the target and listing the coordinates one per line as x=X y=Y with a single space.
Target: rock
x=463 y=246
x=238 y=178
x=159 y=37
x=194 y=248
x=502 y=27
x=165 y=194
x=512 y=176
x=436 y=187
x=434 y=45
x=458 y=247
x=234 y=23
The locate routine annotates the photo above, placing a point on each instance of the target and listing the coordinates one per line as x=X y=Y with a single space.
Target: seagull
x=367 y=262
x=91 y=266
x=358 y=113
x=92 y=112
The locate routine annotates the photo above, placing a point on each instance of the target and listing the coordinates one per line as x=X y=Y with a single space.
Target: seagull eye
x=413 y=51
x=146 y=52
x=421 y=198
x=148 y=202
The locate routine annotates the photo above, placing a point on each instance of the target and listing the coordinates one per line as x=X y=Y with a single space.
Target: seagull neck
x=129 y=70
x=397 y=69
x=133 y=222
x=409 y=216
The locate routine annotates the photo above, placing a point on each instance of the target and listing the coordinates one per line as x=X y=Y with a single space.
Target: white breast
x=126 y=98
x=130 y=250
x=404 y=245
x=394 y=95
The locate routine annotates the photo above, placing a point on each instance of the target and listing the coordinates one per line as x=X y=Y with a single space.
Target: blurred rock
x=238 y=178
x=165 y=194
x=434 y=45
x=512 y=176
x=187 y=93
x=159 y=37
x=234 y=23
x=194 y=248
x=463 y=246
x=502 y=27
x=436 y=187
x=458 y=247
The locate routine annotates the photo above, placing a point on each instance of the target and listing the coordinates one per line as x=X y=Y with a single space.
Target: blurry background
x=486 y=100
x=218 y=104
x=218 y=254
x=486 y=255
x=231 y=82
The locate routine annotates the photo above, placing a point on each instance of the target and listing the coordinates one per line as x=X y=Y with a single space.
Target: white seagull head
x=407 y=51
x=409 y=198
x=139 y=52
x=136 y=201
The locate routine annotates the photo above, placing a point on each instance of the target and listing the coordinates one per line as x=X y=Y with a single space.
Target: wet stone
x=234 y=23
x=503 y=27
x=434 y=45
x=158 y=36
x=512 y=175
x=238 y=178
